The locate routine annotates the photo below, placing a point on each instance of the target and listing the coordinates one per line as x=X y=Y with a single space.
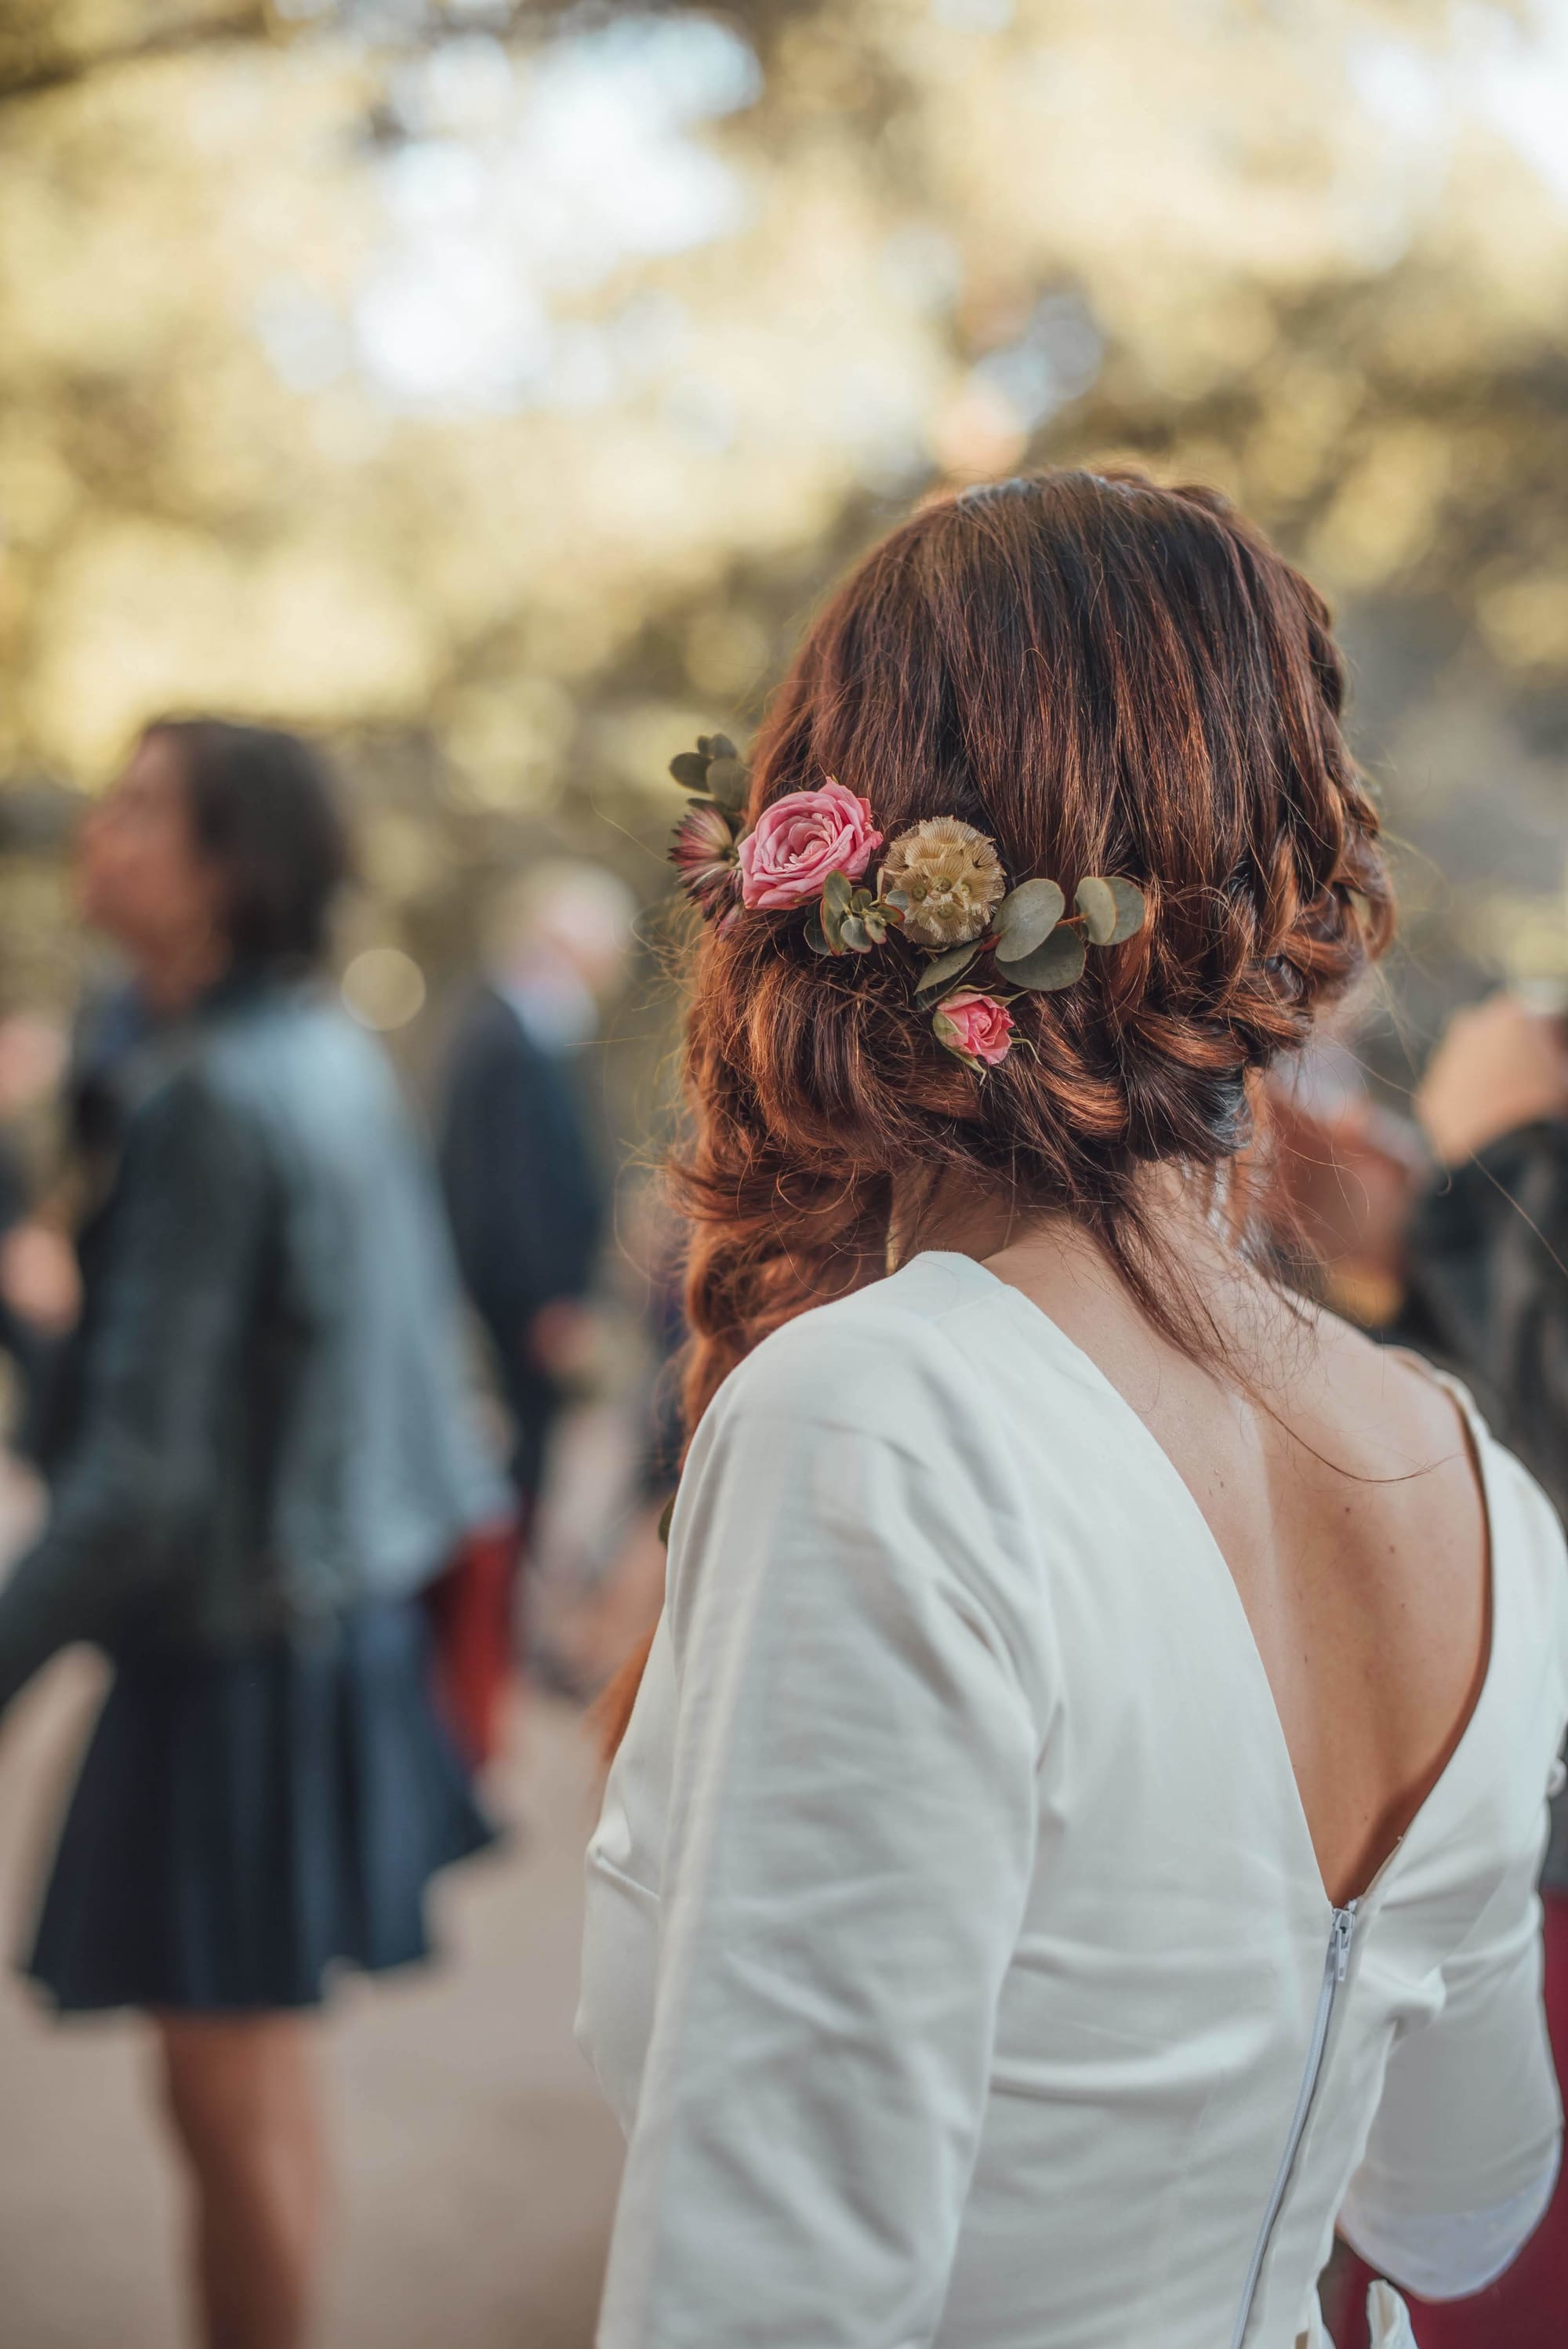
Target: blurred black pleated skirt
x=243 y=1824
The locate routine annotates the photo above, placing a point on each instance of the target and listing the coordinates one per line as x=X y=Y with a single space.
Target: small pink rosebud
x=975 y=1028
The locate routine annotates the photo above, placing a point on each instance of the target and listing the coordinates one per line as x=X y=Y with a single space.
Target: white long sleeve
x=854 y=1783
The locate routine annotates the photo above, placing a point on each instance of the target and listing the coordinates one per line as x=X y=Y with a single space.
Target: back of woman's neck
x=1236 y=1319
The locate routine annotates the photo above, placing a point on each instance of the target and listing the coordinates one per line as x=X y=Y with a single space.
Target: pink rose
x=800 y=840
x=976 y=1026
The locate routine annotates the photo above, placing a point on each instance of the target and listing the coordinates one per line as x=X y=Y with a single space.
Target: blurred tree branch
x=45 y=44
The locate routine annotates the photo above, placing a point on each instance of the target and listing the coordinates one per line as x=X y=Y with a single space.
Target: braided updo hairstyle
x=1106 y=677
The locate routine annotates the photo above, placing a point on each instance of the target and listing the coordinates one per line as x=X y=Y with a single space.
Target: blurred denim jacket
x=264 y=1416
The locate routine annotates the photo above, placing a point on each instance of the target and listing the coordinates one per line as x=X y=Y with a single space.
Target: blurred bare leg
x=244 y=2100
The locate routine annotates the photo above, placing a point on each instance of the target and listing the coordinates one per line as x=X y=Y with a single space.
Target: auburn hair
x=1105 y=676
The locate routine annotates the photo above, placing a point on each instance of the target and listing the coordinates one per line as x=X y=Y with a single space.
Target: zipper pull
x=1339 y=1939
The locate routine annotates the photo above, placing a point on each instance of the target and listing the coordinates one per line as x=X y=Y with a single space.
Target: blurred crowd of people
x=292 y=1368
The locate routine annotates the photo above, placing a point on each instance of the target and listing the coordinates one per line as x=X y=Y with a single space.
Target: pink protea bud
x=704 y=853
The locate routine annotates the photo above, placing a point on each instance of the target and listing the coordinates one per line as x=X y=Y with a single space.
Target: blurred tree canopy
x=492 y=385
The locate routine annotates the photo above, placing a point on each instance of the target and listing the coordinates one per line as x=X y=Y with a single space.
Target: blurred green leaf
x=729 y=782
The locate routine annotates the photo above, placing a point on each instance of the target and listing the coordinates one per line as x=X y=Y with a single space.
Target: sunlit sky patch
x=493 y=329
x=1509 y=74
x=519 y=184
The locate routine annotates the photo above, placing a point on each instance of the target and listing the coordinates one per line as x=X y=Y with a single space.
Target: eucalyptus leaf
x=1131 y=910
x=666 y=1516
x=830 y=914
x=1026 y=918
x=838 y=893
x=816 y=936
x=716 y=746
x=1111 y=910
x=728 y=783
x=946 y=967
x=1056 y=963
x=855 y=935
x=689 y=769
x=1095 y=902
x=897 y=898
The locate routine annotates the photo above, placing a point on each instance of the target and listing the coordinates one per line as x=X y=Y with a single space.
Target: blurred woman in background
x=260 y=1455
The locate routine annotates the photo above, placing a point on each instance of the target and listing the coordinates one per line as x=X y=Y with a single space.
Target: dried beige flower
x=951 y=876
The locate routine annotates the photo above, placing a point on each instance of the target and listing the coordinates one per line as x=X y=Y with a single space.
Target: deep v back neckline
x=1228 y=1592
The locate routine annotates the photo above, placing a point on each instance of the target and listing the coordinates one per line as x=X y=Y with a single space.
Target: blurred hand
x=33 y=1053
x=1343 y=1186
x=563 y=1339
x=1498 y=1066
x=38 y=1278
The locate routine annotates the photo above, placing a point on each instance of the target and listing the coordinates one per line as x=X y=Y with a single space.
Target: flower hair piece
x=940 y=889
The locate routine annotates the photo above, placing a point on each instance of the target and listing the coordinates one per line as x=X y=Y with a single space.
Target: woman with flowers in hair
x=1074 y=1836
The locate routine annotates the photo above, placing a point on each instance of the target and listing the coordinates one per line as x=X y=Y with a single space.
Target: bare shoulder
x=1387 y=1401
x=1384 y=1425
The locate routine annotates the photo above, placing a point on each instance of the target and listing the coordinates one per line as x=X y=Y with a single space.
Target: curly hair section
x=1106 y=677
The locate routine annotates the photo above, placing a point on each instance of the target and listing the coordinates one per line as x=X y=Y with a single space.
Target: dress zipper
x=1335 y=1964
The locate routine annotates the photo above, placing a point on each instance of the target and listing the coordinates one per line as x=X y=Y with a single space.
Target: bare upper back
x=1343 y=1494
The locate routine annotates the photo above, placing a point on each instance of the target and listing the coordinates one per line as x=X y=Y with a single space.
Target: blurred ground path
x=478 y=2166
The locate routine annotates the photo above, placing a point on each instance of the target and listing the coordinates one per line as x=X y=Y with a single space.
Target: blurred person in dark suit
x=522 y=1162
x=259 y=1458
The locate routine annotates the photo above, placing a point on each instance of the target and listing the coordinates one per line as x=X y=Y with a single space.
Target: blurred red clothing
x=472 y=1610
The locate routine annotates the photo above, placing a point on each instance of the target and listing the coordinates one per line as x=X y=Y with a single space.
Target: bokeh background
x=492 y=387
x=491 y=390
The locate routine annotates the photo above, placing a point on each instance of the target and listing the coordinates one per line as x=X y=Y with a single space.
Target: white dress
x=957 y=1959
